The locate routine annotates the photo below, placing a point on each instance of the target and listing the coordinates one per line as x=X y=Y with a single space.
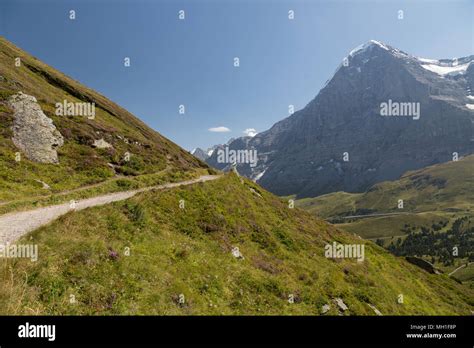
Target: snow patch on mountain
x=426 y=60
x=443 y=70
x=250 y=132
x=259 y=175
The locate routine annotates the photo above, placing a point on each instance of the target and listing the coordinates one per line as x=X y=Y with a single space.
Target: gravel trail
x=15 y=225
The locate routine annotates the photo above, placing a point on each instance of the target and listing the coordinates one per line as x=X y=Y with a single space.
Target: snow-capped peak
x=362 y=48
x=371 y=43
x=374 y=43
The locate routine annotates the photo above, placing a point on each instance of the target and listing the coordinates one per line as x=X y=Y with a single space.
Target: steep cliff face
x=382 y=113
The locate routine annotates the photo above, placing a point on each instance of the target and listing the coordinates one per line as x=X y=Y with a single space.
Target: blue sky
x=190 y=62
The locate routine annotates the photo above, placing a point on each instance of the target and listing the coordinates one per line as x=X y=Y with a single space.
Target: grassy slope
x=443 y=187
x=442 y=192
x=80 y=164
x=386 y=227
x=187 y=251
x=466 y=275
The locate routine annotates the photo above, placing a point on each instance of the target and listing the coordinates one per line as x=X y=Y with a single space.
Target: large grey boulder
x=33 y=132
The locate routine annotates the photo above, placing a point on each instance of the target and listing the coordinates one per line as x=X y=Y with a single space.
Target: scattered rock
x=101 y=144
x=340 y=303
x=374 y=309
x=255 y=192
x=237 y=254
x=45 y=185
x=33 y=132
x=113 y=167
x=325 y=308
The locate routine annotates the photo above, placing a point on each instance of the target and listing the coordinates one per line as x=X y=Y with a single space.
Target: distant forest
x=440 y=246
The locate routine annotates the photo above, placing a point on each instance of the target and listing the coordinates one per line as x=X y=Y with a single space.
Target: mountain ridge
x=345 y=116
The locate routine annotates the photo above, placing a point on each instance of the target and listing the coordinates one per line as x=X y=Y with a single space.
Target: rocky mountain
x=211 y=154
x=233 y=144
x=382 y=113
x=200 y=153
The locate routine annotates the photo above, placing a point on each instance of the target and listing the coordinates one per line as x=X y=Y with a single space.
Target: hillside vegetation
x=180 y=261
x=446 y=187
x=220 y=247
x=437 y=213
x=80 y=164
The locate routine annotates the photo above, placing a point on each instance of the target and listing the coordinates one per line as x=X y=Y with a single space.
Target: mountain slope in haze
x=89 y=150
x=341 y=142
x=233 y=248
x=200 y=153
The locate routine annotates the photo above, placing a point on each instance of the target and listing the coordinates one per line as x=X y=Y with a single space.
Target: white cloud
x=220 y=129
x=250 y=132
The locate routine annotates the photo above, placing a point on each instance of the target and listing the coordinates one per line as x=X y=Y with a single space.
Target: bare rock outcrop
x=427 y=266
x=374 y=309
x=340 y=303
x=101 y=144
x=33 y=132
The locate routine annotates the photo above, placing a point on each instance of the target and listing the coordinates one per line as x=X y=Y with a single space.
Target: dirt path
x=372 y=215
x=460 y=267
x=15 y=225
x=83 y=188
